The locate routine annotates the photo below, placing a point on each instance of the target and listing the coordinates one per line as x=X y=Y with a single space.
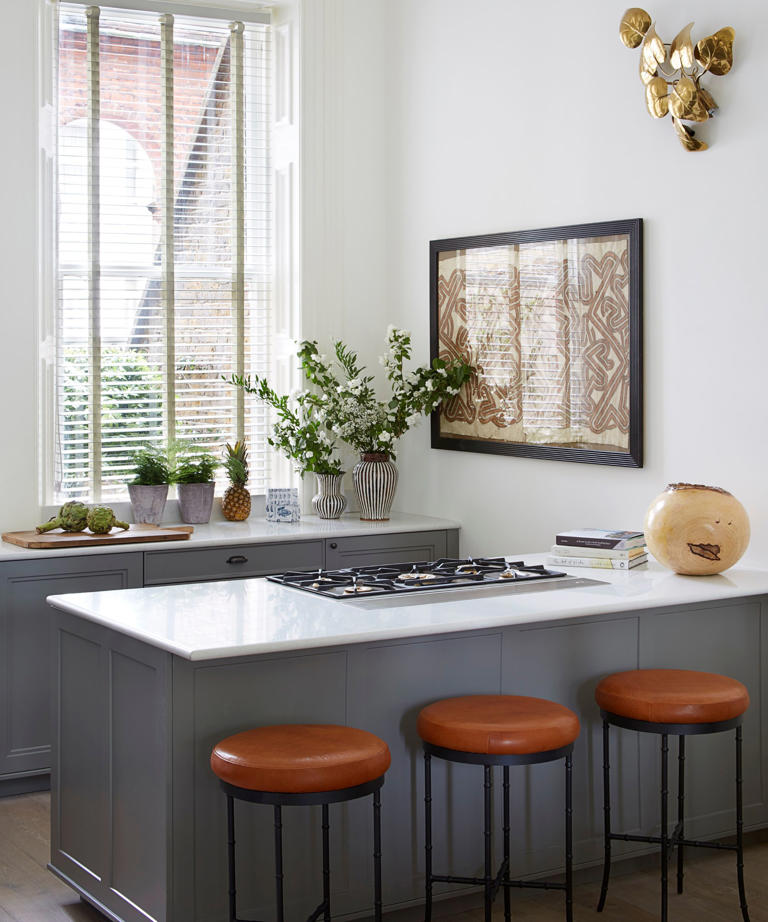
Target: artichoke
x=73 y=516
x=101 y=520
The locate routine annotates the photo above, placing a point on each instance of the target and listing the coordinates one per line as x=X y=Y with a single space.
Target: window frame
x=284 y=227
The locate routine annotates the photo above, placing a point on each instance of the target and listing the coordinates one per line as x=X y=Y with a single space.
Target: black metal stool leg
x=507 y=895
x=487 y=782
x=680 y=808
x=279 y=862
x=569 y=838
x=376 y=856
x=664 y=823
x=606 y=816
x=231 y=857
x=428 y=835
x=326 y=865
x=740 y=829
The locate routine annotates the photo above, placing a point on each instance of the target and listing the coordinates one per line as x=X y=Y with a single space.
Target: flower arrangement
x=347 y=403
x=298 y=433
x=344 y=404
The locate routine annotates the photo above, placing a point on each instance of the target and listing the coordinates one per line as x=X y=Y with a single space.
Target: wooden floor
x=30 y=893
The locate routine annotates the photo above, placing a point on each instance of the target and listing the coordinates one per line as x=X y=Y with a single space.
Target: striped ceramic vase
x=329 y=502
x=375 y=477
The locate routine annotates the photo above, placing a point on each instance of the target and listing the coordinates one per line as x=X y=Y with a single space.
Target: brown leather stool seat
x=498 y=724
x=672 y=696
x=300 y=758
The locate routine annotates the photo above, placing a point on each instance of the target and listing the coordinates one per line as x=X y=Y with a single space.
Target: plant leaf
x=633 y=26
x=681 y=50
x=686 y=138
x=715 y=52
x=684 y=99
x=656 y=97
x=652 y=53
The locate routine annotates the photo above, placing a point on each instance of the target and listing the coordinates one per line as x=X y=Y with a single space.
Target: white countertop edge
x=252 y=531
x=686 y=590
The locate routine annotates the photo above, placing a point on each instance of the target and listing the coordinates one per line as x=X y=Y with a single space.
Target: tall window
x=163 y=275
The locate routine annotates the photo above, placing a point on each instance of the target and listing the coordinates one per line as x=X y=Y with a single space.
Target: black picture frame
x=633 y=229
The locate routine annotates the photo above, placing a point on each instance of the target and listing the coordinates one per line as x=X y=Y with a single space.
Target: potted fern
x=193 y=475
x=148 y=491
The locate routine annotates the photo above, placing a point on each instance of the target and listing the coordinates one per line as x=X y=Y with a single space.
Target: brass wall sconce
x=672 y=72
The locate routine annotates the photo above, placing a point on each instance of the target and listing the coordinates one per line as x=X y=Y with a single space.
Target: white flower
x=429 y=384
x=386 y=436
x=308 y=455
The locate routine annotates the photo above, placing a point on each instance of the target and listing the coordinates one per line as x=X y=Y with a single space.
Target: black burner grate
x=394 y=579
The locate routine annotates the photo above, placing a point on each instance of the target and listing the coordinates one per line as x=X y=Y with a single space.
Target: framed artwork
x=552 y=321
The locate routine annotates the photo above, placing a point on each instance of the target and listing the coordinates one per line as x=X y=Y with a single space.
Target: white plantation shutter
x=164 y=260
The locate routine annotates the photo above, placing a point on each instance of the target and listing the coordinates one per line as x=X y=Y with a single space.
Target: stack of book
x=593 y=547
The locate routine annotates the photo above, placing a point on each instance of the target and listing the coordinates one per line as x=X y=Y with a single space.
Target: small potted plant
x=348 y=405
x=148 y=490
x=193 y=475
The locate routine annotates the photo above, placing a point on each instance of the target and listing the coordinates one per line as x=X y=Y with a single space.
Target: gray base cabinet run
x=25 y=618
x=139 y=822
x=25 y=639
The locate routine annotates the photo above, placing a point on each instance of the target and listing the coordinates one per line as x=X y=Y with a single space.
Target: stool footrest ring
x=673 y=841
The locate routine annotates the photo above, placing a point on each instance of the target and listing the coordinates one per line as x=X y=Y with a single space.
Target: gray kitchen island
x=147 y=680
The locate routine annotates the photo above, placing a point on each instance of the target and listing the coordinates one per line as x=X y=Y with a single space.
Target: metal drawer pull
x=238 y=558
x=333 y=545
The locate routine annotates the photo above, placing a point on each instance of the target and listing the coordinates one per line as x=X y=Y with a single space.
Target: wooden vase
x=696 y=530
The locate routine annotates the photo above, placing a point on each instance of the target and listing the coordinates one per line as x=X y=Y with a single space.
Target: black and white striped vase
x=329 y=502
x=375 y=477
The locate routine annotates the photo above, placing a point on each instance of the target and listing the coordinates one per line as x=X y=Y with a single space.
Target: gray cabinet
x=370 y=550
x=25 y=667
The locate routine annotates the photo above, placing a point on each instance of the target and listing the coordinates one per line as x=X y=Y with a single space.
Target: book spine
x=600 y=563
x=564 y=551
x=571 y=541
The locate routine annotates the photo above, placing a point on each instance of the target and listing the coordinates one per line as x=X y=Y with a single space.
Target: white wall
x=507 y=116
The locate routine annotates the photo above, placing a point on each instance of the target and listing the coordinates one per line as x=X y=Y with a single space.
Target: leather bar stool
x=504 y=730
x=672 y=702
x=301 y=764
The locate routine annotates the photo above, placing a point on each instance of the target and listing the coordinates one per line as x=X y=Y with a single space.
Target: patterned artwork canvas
x=552 y=326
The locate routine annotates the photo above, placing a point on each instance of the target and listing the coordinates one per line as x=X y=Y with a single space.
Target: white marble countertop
x=252 y=531
x=208 y=621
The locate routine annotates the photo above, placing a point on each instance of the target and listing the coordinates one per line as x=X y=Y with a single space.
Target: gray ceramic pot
x=196 y=502
x=148 y=502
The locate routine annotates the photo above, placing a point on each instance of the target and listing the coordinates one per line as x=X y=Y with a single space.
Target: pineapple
x=236 y=503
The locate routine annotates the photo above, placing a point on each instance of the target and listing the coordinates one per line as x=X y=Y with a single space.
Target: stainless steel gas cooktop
x=400 y=578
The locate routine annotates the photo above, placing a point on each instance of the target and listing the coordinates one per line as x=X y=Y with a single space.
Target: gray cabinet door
x=25 y=618
x=371 y=550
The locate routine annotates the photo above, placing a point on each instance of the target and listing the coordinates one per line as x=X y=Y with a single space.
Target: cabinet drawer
x=371 y=550
x=232 y=562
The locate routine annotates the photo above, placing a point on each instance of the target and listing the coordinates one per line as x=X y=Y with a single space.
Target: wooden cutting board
x=136 y=534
